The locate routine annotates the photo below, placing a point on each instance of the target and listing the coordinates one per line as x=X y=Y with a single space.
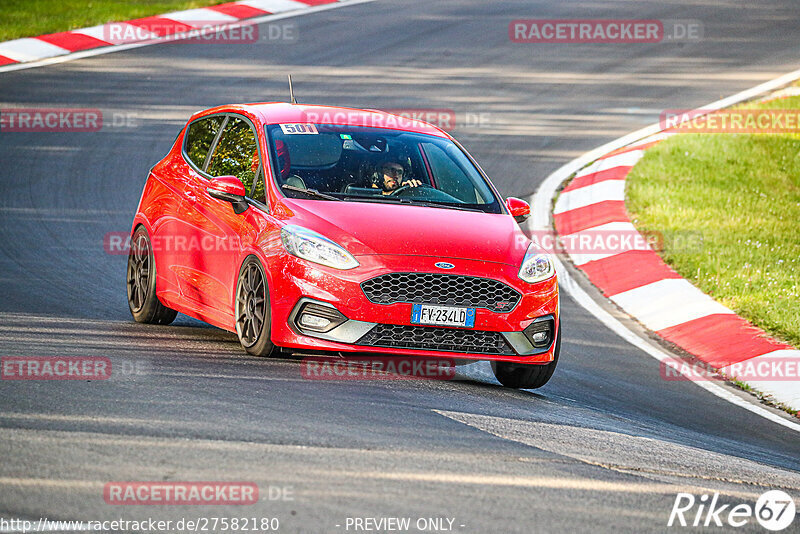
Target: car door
x=182 y=244
x=221 y=234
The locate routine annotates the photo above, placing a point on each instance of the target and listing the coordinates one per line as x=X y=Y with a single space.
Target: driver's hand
x=412 y=183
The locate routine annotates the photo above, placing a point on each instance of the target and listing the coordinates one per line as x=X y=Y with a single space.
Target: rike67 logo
x=774 y=510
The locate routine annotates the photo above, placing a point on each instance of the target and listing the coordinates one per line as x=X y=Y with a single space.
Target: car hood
x=365 y=228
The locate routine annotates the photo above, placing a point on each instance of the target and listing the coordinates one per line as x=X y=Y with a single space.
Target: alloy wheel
x=139 y=270
x=251 y=304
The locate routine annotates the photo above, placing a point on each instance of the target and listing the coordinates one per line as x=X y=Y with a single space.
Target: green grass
x=28 y=18
x=742 y=194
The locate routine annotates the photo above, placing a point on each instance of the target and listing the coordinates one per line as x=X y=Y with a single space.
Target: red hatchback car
x=335 y=229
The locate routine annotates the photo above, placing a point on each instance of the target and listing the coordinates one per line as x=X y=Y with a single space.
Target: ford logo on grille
x=444 y=265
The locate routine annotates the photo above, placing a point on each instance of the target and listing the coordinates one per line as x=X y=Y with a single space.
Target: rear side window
x=236 y=154
x=199 y=137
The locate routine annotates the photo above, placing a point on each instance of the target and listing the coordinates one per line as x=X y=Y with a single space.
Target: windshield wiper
x=378 y=198
x=411 y=202
x=309 y=192
x=446 y=205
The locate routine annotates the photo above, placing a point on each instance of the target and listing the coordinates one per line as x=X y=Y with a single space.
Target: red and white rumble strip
x=640 y=283
x=132 y=31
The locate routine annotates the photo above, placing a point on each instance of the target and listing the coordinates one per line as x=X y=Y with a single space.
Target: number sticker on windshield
x=300 y=128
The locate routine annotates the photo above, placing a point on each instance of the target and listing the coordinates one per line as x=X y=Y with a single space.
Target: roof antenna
x=291 y=91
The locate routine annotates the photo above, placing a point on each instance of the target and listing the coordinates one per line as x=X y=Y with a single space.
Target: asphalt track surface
x=605 y=446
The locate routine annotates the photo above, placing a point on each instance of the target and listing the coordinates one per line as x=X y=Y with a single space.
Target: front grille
x=441 y=289
x=430 y=338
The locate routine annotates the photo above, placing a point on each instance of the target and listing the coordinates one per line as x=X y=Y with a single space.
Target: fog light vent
x=540 y=332
x=539 y=337
x=313 y=321
x=318 y=318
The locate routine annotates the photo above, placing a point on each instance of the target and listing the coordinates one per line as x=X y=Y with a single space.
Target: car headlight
x=536 y=266
x=311 y=246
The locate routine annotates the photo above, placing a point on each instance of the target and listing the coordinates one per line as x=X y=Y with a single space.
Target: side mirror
x=518 y=208
x=229 y=189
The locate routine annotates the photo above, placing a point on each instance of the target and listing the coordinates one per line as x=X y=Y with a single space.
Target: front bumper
x=382 y=328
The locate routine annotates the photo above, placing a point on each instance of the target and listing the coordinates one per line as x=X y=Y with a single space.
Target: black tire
x=141 y=283
x=252 y=309
x=527 y=376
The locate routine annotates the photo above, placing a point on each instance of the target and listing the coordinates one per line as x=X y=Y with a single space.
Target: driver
x=390 y=178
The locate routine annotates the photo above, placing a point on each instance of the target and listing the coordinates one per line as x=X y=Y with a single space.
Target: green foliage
x=28 y=18
x=742 y=194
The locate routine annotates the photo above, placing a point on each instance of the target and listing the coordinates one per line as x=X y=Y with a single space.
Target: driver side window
x=236 y=154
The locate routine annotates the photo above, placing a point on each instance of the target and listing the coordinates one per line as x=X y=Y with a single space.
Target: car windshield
x=334 y=162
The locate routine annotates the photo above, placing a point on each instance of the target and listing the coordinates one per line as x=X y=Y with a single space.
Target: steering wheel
x=406 y=188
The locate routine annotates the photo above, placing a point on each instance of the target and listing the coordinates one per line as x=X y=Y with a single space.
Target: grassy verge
x=742 y=194
x=28 y=18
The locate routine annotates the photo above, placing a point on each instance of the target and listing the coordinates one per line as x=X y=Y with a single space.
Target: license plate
x=443 y=315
